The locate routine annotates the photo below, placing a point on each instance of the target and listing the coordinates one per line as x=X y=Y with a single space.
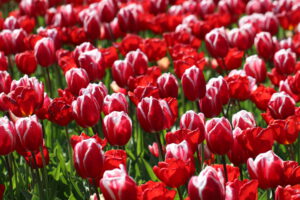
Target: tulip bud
x=128 y=17
x=219 y=136
x=267 y=168
x=240 y=38
x=117 y=128
x=7 y=136
x=76 y=79
x=256 y=68
x=5 y=82
x=281 y=105
x=86 y=110
x=18 y=37
x=193 y=84
x=138 y=60
x=93 y=62
x=122 y=71
x=30 y=134
x=116 y=184
x=243 y=120
x=285 y=61
x=44 y=51
x=26 y=62
x=99 y=91
x=88 y=158
x=206 y=186
x=167 y=85
x=192 y=121
x=264 y=45
x=271 y=23
x=222 y=86
x=211 y=104
x=115 y=102
x=107 y=10
x=217 y=43
x=92 y=24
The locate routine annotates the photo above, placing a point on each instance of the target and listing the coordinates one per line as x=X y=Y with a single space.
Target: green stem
x=41 y=191
x=96 y=189
x=160 y=149
x=179 y=194
x=241 y=172
x=225 y=168
x=8 y=167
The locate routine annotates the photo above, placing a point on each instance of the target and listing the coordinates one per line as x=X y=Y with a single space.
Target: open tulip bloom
x=150 y=100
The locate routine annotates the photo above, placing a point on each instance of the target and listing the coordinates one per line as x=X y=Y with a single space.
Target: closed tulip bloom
x=122 y=71
x=44 y=51
x=6 y=41
x=7 y=136
x=99 y=91
x=138 y=60
x=150 y=114
x=158 y=6
x=217 y=43
x=243 y=120
x=271 y=23
x=86 y=110
x=107 y=10
x=281 y=105
x=83 y=47
x=240 y=38
x=193 y=84
x=76 y=78
x=3 y=61
x=128 y=17
x=88 y=158
x=211 y=104
x=285 y=61
x=93 y=63
x=206 y=186
x=267 y=168
x=115 y=102
x=5 y=82
x=117 y=185
x=180 y=151
x=26 y=62
x=167 y=85
x=19 y=36
x=222 y=86
x=219 y=135
x=264 y=45
x=92 y=24
x=287 y=193
x=30 y=133
x=192 y=121
x=117 y=128
x=256 y=68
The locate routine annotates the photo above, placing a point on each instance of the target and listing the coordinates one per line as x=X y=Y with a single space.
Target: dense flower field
x=149 y=99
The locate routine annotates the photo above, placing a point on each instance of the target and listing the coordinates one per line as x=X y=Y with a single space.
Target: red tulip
x=116 y=184
x=115 y=102
x=30 y=133
x=117 y=128
x=41 y=160
x=93 y=63
x=78 y=138
x=206 y=186
x=180 y=151
x=86 y=110
x=6 y=41
x=271 y=23
x=211 y=104
x=256 y=68
x=83 y=47
x=239 y=86
x=26 y=62
x=155 y=190
x=219 y=136
x=107 y=10
x=261 y=96
x=243 y=120
x=217 y=43
x=7 y=136
x=264 y=45
x=92 y=24
x=5 y=82
x=267 y=168
x=285 y=61
x=240 y=38
x=138 y=60
x=287 y=193
x=281 y=105
x=33 y=7
x=114 y=158
x=128 y=17
x=44 y=51
x=3 y=62
x=76 y=78
x=222 y=86
x=192 y=121
x=122 y=71
x=88 y=158
x=154 y=149
x=242 y=190
x=193 y=84
x=167 y=85
x=2 y=190
x=99 y=91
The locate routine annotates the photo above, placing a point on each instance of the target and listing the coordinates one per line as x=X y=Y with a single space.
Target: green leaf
x=149 y=170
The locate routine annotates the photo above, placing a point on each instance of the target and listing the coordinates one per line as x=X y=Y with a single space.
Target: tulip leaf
x=149 y=170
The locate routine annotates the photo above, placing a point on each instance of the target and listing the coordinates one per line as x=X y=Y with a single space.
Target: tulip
x=5 y=82
x=83 y=47
x=271 y=23
x=206 y=186
x=116 y=184
x=26 y=62
x=115 y=102
x=239 y=86
x=156 y=190
x=114 y=158
x=88 y=158
x=256 y=68
x=19 y=36
x=219 y=135
x=240 y=38
x=93 y=63
x=243 y=120
x=117 y=128
x=287 y=193
x=3 y=62
x=222 y=86
x=76 y=78
x=86 y=110
x=92 y=24
x=30 y=133
x=122 y=71
x=217 y=43
x=167 y=85
x=128 y=17
x=107 y=10
x=44 y=51
x=138 y=60
x=193 y=84
x=242 y=190
x=211 y=104
x=192 y=121
x=6 y=41
x=99 y=91
x=281 y=105
x=261 y=96
x=7 y=136
x=264 y=45
x=41 y=160
x=285 y=61
x=180 y=151
x=267 y=168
